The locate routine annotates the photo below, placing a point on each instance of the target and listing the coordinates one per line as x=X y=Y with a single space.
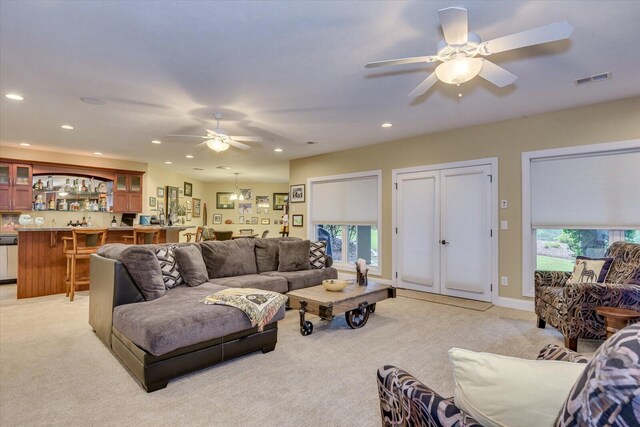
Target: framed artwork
x=188 y=189
x=188 y=205
x=217 y=218
x=262 y=201
x=241 y=220
x=152 y=202
x=297 y=193
x=297 y=220
x=265 y=221
x=196 y=208
x=172 y=199
x=245 y=208
x=188 y=216
x=181 y=191
x=160 y=192
x=223 y=201
x=254 y=220
x=247 y=193
x=279 y=201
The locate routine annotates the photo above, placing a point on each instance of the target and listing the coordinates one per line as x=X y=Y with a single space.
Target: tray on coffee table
x=357 y=302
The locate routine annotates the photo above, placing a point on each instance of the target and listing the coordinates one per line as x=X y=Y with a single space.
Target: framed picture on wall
x=196 y=208
x=297 y=221
x=254 y=220
x=223 y=201
x=172 y=199
x=265 y=221
x=160 y=192
x=241 y=220
x=181 y=191
x=297 y=193
x=188 y=216
x=279 y=201
x=188 y=189
x=217 y=218
x=152 y=202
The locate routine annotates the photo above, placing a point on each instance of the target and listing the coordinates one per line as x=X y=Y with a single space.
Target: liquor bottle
x=50 y=183
x=89 y=222
x=84 y=186
x=84 y=222
x=170 y=219
x=114 y=223
x=39 y=184
x=92 y=185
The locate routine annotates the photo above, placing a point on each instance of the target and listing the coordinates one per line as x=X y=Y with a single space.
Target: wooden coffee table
x=616 y=318
x=357 y=302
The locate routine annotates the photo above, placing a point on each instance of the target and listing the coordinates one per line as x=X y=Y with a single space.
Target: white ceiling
x=290 y=72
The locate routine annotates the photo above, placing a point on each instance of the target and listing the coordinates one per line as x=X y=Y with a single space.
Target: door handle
x=444 y=242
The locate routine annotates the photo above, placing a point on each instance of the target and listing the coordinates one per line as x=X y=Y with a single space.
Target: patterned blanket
x=259 y=306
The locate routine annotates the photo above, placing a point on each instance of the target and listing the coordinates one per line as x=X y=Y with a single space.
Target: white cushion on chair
x=507 y=391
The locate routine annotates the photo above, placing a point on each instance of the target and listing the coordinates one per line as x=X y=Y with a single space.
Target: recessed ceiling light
x=386 y=125
x=169 y=163
x=278 y=150
x=155 y=141
x=25 y=144
x=14 y=96
x=93 y=101
x=68 y=127
x=97 y=153
x=189 y=156
x=224 y=167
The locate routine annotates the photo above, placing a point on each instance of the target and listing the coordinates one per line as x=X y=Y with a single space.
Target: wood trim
x=61 y=168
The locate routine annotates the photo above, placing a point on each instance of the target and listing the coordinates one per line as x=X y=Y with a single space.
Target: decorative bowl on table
x=334 y=285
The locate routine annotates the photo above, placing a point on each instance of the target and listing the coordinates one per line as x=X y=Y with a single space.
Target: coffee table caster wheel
x=306 y=328
x=372 y=308
x=357 y=318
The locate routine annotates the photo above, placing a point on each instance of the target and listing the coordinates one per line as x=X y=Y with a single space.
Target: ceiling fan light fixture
x=217 y=145
x=459 y=70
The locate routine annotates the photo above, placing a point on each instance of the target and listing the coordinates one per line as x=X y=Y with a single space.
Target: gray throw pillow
x=229 y=257
x=170 y=273
x=144 y=268
x=267 y=252
x=191 y=265
x=294 y=256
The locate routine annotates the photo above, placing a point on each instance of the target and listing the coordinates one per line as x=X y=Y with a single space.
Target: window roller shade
x=348 y=201
x=594 y=191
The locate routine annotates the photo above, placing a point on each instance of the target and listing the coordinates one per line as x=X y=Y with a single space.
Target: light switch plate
x=503 y=204
x=504 y=224
x=504 y=281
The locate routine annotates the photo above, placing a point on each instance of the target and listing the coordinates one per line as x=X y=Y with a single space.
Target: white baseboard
x=519 y=304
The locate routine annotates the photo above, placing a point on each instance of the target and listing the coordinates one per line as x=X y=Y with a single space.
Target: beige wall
x=506 y=140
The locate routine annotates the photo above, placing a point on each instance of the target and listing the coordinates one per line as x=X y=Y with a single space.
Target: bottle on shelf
x=50 y=182
x=39 y=185
x=170 y=219
x=89 y=222
x=63 y=205
x=84 y=222
x=84 y=188
x=92 y=185
x=114 y=223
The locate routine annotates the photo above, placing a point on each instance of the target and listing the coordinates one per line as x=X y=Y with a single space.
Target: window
x=557 y=249
x=344 y=210
x=356 y=241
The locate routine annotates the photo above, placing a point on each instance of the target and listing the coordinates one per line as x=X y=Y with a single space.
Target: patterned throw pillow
x=590 y=270
x=317 y=254
x=170 y=273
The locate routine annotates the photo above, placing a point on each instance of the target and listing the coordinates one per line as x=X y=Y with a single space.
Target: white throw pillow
x=507 y=391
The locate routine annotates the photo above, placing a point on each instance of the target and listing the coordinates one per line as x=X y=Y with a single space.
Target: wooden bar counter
x=42 y=264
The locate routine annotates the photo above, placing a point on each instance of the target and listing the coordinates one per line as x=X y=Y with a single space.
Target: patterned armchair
x=606 y=393
x=570 y=307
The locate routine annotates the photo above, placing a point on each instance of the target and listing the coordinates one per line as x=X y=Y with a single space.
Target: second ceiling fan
x=459 y=50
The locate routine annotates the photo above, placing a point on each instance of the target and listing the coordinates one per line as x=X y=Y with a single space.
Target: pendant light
x=236 y=194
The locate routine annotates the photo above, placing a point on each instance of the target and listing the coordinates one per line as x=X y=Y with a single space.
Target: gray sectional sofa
x=160 y=330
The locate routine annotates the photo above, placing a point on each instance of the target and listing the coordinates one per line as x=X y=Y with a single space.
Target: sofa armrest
x=550 y=278
x=557 y=352
x=406 y=401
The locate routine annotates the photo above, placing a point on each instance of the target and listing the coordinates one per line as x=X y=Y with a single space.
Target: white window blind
x=345 y=201
x=599 y=190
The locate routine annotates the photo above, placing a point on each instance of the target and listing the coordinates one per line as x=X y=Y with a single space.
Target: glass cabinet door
x=136 y=182
x=4 y=174
x=121 y=182
x=23 y=175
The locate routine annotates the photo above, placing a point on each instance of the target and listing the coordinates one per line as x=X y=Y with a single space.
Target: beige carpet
x=446 y=300
x=54 y=371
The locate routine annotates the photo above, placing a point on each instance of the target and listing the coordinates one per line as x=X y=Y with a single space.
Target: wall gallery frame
x=152 y=202
x=297 y=220
x=196 y=207
x=188 y=189
x=297 y=193
x=217 y=218
x=265 y=221
x=254 y=220
x=172 y=199
x=223 y=201
x=279 y=201
x=160 y=192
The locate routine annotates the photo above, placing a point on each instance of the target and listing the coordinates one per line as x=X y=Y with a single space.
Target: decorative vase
x=39 y=221
x=25 y=219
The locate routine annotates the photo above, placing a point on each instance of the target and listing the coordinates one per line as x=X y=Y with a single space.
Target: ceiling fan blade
x=237 y=144
x=425 y=85
x=246 y=138
x=191 y=136
x=455 y=25
x=496 y=74
x=549 y=33
x=413 y=60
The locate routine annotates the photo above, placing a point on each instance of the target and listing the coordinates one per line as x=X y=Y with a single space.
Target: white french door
x=443 y=238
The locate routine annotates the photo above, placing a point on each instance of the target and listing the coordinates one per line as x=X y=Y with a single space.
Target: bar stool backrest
x=87 y=240
x=144 y=231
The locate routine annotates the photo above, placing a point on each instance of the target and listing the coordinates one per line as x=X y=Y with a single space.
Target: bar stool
x=150 y=235
x=197 y=235
x=83 y=243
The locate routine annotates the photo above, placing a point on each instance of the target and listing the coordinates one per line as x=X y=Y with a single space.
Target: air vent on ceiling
x=596 y=78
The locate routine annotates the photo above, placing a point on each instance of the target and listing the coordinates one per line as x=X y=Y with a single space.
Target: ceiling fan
x=218 y=140
x=459 y=50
